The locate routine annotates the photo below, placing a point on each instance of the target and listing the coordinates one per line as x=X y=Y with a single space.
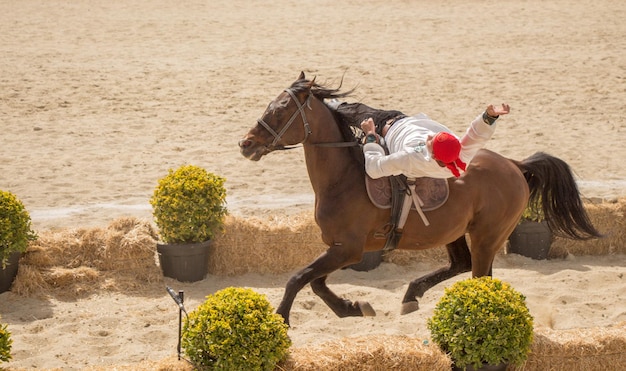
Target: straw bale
x=276 y=245
x=128 y=224
x=37 y=255
x=600 y=348
x=407 y=257
x=91 y=243
x=64 y=277
x=130 y=248
x=65 y=282
x=126 y=249
x=608 y=218
x=584 y=349
x=282 y=244
x=380 y=352
x=29 y=281
x=606 y=215
x=80 y=261
x=590 y=349
x=68 y=248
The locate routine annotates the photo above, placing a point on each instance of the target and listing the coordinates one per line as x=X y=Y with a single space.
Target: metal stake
x=179 y=299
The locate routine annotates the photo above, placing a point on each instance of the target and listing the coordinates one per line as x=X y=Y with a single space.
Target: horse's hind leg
x=460 y=262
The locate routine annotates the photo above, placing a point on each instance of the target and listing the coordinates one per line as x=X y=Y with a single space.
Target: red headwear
x=446 y=148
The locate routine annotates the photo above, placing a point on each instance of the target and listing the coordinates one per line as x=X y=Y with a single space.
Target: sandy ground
x=110 y=329
x=98 y=101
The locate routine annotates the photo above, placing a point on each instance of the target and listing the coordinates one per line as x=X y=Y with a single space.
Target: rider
x=421 y=147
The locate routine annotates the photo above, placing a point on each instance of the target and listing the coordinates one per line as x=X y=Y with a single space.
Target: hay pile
x=407 y=257
x=599 y=348
x=123 y=255
x=276 y=245
x=381 y=352
x=74 y=263
x=608 y=218
x=282 y=244
x=591 y=349
x=77 y=262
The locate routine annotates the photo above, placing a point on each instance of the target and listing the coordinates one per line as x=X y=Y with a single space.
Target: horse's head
x=274 y=130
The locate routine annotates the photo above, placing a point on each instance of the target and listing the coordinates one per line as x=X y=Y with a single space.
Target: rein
x=307 y=127
x=337 y=144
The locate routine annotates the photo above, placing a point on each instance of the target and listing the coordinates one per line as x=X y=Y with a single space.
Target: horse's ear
x=301 y=77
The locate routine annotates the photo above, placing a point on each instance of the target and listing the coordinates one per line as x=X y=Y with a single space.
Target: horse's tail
x=552 y=183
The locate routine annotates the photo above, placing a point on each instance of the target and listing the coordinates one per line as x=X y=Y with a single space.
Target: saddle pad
x=432 y=191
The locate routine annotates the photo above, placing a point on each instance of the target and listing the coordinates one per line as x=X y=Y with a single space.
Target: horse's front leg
x=335 y=258
x=341 y=307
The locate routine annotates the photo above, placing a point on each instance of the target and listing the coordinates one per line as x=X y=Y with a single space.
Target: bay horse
x=485 y=203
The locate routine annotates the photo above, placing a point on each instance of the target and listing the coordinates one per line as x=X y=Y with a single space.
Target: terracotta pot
x=186 y=262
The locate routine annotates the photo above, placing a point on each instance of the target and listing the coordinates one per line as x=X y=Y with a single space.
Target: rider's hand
x=368 y=126
x=495 y=111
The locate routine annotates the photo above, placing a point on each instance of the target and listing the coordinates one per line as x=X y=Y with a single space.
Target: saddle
x=424 y=194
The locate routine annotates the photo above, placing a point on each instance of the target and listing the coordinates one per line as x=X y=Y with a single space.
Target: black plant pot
x=8 y=274
x=371 y=260
x=531 y=239
x=186 y=262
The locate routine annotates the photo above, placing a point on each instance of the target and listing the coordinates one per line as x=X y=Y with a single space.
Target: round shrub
x=5 y=343
x=235 y=329
x=482 y=320
x=15 y=230
x=533 y=212
x=189 y=205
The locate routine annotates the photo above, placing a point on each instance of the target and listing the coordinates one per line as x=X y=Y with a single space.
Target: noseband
x=307 y=128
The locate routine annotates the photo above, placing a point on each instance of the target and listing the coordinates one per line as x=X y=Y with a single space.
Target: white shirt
x=408 y=155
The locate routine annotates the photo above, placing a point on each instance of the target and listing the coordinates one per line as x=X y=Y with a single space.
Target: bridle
x=305 y=123
x=307 y=128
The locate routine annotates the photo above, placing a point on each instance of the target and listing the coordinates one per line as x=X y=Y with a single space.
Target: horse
x=484 y=204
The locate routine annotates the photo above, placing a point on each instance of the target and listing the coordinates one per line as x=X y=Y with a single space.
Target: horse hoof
x=366 y=309
x=409 y=307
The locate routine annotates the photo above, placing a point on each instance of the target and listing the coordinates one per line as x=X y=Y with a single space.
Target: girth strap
x=415 y=199
x=403 y=194
x=398 y=194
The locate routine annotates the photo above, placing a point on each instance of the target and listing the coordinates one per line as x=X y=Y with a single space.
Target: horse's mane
x=348 y=115
x=352 y=114
x=319 y=91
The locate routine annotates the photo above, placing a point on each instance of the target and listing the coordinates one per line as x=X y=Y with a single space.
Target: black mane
x=348 y=115
x=352 y=114
x=319 y=91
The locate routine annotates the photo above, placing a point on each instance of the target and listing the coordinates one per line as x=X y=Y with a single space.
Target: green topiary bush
x=15 y=230
x=533 y=211
x=5 y=343
x=482 y=320
x=235 y=329
x=189 y=205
